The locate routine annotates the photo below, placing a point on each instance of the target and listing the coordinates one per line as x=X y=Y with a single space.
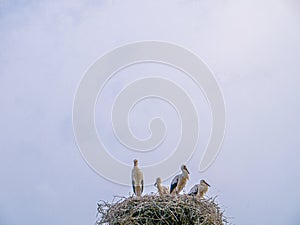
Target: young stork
x=179 y=181
x=199 y=190
x=162 y=190
x=137 y=179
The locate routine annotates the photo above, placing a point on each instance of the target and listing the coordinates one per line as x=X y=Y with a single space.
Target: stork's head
x=203 y=182
x=184 y=168
x=158 y=181
x=135 y=162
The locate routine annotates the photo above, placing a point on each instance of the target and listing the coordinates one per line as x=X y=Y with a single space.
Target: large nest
x=153 y=209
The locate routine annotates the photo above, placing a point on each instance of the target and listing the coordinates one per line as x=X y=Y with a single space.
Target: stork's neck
x=185 y=174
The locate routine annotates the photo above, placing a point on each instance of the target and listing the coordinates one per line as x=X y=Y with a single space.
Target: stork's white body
x=162 y=190
x=179 y=181
x=137 y=179
x=199 y=190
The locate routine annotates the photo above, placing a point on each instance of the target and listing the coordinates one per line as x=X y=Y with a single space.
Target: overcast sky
x=46 y=47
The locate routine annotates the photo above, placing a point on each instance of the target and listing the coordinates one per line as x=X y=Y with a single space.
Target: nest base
x=153 y=209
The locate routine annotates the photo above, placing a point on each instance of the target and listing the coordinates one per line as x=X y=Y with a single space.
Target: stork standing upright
x=137 y=179
x=199 y=190
x=180 y=180
x=162 y=190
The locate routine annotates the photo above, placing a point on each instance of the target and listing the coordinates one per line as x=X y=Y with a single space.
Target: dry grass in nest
x=153 y=209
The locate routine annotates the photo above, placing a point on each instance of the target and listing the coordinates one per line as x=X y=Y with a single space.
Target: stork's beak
x=187 y=170
x=207 y=184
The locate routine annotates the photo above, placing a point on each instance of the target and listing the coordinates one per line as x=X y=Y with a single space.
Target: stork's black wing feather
x=174 y=183
x=133 y=187
x=194 y=190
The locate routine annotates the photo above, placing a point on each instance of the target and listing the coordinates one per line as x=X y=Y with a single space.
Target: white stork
x=137 y=179
x=162 y=190
x=179 y=181
x=199 y=190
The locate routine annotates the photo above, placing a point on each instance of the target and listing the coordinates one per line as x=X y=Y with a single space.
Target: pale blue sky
x=251 y=46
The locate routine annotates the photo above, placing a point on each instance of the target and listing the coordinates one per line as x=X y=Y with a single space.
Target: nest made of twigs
x=153 y=209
